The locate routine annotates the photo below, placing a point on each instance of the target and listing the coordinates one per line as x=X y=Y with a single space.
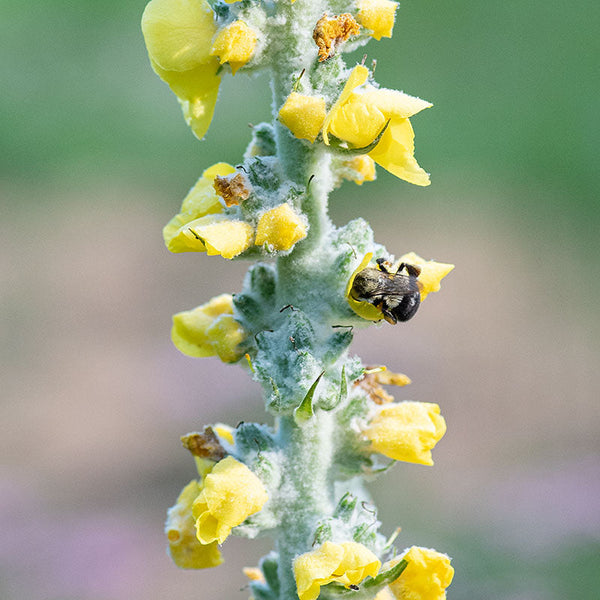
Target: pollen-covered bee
x=397 y=295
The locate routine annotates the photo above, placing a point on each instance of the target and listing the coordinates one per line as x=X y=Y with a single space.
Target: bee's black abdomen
x=407 y=307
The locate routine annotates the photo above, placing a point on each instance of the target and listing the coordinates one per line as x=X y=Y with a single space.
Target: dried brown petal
x=331 y=31
x=232 y=188
x=204 y=445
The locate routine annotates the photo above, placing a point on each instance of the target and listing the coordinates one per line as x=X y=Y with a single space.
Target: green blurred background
x=96 y=158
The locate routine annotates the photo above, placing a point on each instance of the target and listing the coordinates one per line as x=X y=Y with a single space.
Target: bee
x=397 y=295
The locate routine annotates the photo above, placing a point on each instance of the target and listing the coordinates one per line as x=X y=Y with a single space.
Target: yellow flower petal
x=356 y=121
x=378 y=16
x=254 y=574
x=224 y=431
x=231 y=493
x=394 y=152
x=209 y=330
x=426 y=576
x=363 y=167
x=406 y=431
x=303 y=115
x=226 y=335
x=362 y=309
x=213 y=234
x=281 y=227
x=184 y=548
x=392 y=103
x=347 y=563
x=178 y=33
x=197 y=91
x=200 y=201
x=432 y=272
x=358 y=76
x=235 y=45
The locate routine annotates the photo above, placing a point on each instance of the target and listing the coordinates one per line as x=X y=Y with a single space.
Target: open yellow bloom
x=231 y=493
x=209 y=330
x=378 y=16
x=178 y=36
x=347 y=563
x=406 y=431
x=303 y=115
x=280 y=227
x=431 y=275
x=184 y=548
x=426 y=577
x=213 y=234
x=359 y=116
x=200 y=201
x=235 y=45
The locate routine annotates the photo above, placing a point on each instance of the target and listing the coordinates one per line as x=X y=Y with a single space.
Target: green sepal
x=343 y=394
x=386 y=577
x=323 y=533
x=364 y=534
x=269 y=565
x=252 y=437
x=260 y=591
x=304 y=412
x=336 y=344
x=345 y=507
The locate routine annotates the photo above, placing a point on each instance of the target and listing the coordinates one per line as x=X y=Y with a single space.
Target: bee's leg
x=387 y=314
x=381 y=264
x=389 y=317
x=413 y=270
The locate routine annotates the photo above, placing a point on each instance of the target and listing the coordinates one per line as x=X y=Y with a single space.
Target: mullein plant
x=300 y=480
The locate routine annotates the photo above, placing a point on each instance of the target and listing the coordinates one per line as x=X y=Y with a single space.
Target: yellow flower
x=426 y=576
x=209 y=330
x=254 y=574
x=303 y=115
x=178 y=36
x=231 y=493
x=184 y=548
x=280 y=227
x=235 y=45
x=362 y=168
x=213 y=234
x=200 y=201
x=406 y=431
x=347 y=563
x=431 y=275
x=359 y=116
x=378 y=16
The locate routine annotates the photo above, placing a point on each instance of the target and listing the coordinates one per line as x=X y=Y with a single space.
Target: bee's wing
x=398 y=285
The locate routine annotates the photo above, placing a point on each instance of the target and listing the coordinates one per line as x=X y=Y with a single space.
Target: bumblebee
x=397 y=295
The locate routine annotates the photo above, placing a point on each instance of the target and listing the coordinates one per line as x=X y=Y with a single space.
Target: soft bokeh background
x=96 y=158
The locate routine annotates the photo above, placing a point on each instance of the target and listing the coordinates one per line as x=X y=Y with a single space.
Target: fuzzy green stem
x=309 y=494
